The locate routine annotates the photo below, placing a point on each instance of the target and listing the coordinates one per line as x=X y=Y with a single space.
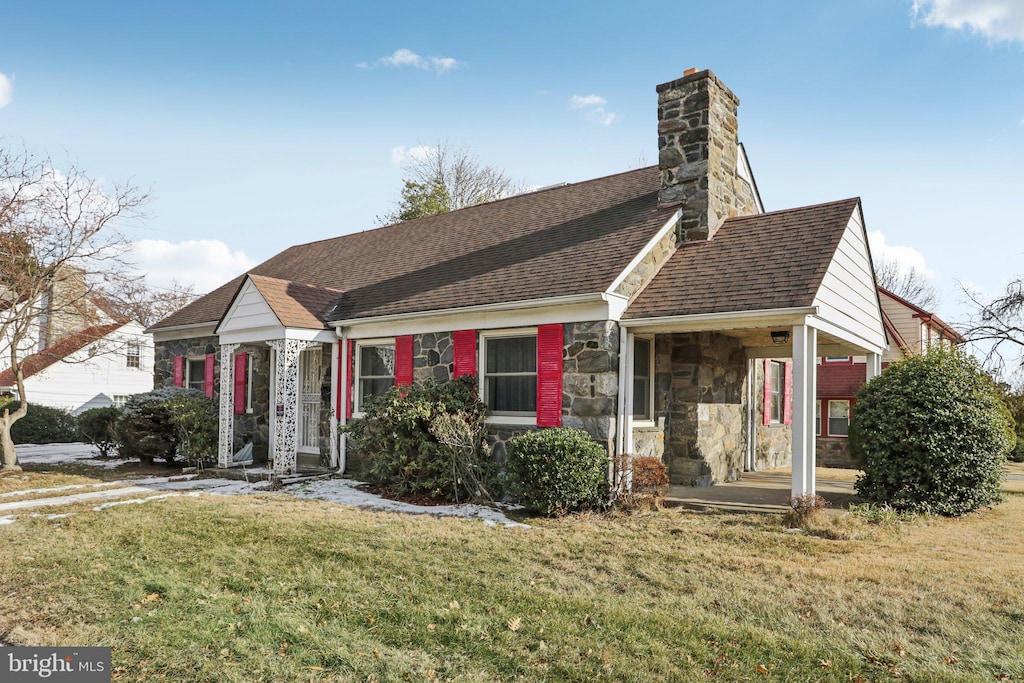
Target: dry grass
x=21 y=481
x=266 y=588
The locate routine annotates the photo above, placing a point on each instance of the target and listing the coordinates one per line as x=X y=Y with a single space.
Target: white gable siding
x=92 y=382
x=250 y=312
x=905 y=323
x=847 y=297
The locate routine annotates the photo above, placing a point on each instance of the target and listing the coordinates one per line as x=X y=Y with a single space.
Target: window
x=643 y=387
x=837 y=360
x=375 y=371
x=817 y=418
x=195 y=373
x=134 y=355
x=838 y=418
x=120 y=400
x=510 y=375
x=248 y=381
x=775 y=383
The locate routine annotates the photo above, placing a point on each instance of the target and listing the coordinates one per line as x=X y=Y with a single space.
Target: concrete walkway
x=755 y=492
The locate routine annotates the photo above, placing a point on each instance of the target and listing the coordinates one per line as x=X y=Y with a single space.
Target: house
x=78 y=357
x=911 y=330
x=648 y=308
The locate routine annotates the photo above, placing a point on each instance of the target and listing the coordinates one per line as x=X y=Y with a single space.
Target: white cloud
x=6 y=91
x=996 y=20
x=594 y=106
x=584 y=101
x=401 y=155
x=206 y=264
x=407 y=58
x=907 y=257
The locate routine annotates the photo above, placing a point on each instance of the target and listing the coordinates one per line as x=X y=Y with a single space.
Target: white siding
x=906 y=324
x=250 y=311
x=92 y=382
x=847 y=297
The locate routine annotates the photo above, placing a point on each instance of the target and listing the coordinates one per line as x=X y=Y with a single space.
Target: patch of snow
x=7 y=520
x=56 y=453
x=137 y=501
x=344 y=492
x=69 y=487
x=73 y=498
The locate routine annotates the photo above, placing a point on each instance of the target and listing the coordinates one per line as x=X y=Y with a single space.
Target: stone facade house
x=911 y=330
x=662 y=310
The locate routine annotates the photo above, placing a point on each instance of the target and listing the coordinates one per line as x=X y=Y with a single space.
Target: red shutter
x=179 y=371
x=767 y=392
x=465 y=352
x=350 y=381
x=241 y=368
x=208 y=374
x=787 y=400
x=549 y=376
x=403 y=361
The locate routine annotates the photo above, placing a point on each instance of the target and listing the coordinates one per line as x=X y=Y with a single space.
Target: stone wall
x=834 y=452
x=698 y=149
x=590 y=379
x=699 y=398
x=648 y=266
x=433 y=356
x=164 y=353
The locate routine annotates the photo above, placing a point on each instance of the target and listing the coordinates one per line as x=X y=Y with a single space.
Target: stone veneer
x=698 y=152
x=698 y=408
x=433 y=356
x=834 y=451
x=649 y=265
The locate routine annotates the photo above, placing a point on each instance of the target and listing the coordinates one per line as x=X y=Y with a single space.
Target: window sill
x=513 y=420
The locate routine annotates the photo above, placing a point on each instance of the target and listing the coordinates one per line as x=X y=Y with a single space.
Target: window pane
x=817 y=417
x=512 y=354
x=777 y=394
x=642 y=357
x=641 y=398
x=838 y=418
x=512 y=394
x=369 y=388
x=376 y=361
x=196 y=373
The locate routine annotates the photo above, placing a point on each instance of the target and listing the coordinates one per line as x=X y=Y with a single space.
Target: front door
x=309 y=400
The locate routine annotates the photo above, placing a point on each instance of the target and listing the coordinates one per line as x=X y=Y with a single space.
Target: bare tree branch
x=997 y=326
x=906 y=283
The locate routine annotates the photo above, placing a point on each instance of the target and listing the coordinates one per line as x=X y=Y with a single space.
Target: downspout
x=335 y=389
x=343 y=395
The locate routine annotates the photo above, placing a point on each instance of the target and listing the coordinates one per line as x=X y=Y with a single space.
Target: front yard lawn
x=268 y=588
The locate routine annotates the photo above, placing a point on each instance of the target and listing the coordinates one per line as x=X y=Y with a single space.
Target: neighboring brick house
x=639 y=306
x=911 y=330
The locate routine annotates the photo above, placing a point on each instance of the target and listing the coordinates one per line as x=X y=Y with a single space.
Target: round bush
x=931 y=435
x=98 y=427
x=556 y=471
x=147 y=429
x=42 y=424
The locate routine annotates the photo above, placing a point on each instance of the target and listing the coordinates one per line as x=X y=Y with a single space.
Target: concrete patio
x=758 y=492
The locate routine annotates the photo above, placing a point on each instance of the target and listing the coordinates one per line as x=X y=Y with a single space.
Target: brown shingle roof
x=766 y=261
x=63 y=348
x=295 y=304
x=567 y=240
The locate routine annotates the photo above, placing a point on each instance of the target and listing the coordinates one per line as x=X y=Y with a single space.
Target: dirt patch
x=410 y=498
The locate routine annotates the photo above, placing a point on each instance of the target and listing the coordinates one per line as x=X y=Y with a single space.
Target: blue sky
x=258 y=125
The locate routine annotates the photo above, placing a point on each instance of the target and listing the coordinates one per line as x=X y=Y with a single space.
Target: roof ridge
x=793 y=209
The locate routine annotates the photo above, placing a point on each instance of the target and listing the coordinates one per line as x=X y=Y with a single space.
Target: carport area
x=763 y=492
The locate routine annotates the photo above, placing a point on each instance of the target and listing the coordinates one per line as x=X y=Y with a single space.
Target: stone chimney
x=697 y=154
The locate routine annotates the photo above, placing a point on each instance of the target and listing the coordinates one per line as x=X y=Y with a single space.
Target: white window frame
x=817 y=417
x=119 y=404
x=777 y=402
x=513 y=420
x=644 y=421
x=188 y=371
x=250 y=357
x=357 y=397
x=849 y=416
x=137 y=356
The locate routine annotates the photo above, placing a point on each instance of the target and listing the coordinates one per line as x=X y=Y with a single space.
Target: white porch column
x=805 y=351
x=226 y=441
x=874 y=366
x=343 y=389
x=286 y=402
x=335 y=389
x=623 y=407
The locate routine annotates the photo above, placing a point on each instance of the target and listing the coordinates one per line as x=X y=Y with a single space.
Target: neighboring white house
x=99 y=366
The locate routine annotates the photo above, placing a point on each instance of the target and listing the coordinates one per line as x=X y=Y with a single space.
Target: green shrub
x=1014 y=401
x=195 y=419
x=147 y=429
x=41 y=424
x=98 y=426
x=427 y=439
x=556 y=471
x=931 y=435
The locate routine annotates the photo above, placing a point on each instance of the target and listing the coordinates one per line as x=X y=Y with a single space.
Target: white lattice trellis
x=286 y=401
x=226 y=443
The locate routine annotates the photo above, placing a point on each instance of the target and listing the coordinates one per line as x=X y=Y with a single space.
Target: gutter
x=782 y=314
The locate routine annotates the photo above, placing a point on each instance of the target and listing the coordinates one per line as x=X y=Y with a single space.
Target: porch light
x=780 y=337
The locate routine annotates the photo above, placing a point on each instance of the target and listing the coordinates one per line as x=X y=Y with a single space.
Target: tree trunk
x=9 y=455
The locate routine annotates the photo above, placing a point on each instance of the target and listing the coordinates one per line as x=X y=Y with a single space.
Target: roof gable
x=766 y=261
